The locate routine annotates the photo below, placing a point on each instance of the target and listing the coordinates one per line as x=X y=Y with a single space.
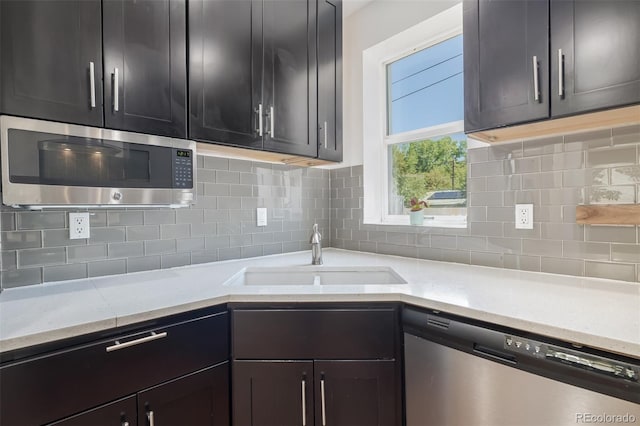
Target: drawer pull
x=150 y=418
x=304 y=402
x=153 y=336
x=323 y=403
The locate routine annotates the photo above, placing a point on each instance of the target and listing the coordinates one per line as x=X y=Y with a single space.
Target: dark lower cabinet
x=595 y=55
x=145 y=66
x=273 y=393
x=121 y=412
x=356 y=393
x=51 y=60
x=198 y=399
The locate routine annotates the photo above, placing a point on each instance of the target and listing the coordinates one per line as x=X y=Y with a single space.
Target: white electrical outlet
x=261 y=214
x=524 y=216
x=78 y=226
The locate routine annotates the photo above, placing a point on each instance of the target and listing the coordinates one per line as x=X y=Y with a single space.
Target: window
x=414 y=83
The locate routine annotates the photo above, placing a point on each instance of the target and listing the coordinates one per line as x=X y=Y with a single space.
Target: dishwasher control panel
x=574 y=358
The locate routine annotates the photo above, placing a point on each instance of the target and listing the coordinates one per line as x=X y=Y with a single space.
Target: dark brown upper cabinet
x=145 y=66
x=512 y=77
x=506 y=62
x=252 y=74
x=330 y=80
x=51 y=60
x=595 y=55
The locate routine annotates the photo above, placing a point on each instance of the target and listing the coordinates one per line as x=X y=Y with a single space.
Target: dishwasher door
x=445 y=386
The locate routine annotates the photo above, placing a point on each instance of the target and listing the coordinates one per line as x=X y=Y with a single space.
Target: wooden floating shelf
x=562 y=126
x=608 y=214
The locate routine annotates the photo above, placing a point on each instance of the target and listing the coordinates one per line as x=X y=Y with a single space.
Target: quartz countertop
x=603 y=314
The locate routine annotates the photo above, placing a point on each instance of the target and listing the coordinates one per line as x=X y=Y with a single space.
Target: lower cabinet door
x=197 y=399
x=273 y=393
x=117 y=413
x=357 y=393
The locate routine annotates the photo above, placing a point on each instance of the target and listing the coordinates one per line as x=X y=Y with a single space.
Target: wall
x=554 y=174
x=36 y=248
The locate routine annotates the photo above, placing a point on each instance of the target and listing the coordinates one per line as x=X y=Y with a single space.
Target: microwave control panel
x=182 y=168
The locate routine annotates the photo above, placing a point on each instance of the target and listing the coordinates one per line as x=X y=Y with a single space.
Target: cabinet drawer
x=55 y=385
x=314 y=334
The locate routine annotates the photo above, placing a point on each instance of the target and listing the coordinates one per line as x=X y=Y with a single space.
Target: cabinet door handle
x=272 y=129
x=304 y=402
x=92 y=84
x=116 y=90
x=150 y=418
x=260 y=124
x=536 y=87
x=560 y=73
x=323 y=403
x=326 y=138
x=125 y=423
x=152 y=336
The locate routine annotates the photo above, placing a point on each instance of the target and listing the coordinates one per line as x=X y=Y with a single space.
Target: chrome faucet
x=316 y=246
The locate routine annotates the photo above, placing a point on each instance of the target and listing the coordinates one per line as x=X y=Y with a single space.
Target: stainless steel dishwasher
x=459 y=372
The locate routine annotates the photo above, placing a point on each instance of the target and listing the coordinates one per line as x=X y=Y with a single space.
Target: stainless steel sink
x=316 y=275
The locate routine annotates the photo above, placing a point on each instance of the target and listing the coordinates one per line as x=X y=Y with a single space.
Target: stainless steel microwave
x=48 y=165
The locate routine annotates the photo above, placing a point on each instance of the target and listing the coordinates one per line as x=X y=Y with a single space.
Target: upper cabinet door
x=145 y=66
x=330 y=79
x=290 y=86
x=595 y=54
x=51 y=60
x=225 y=72
x=505 y=62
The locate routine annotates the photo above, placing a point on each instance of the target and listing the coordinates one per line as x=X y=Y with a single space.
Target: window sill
x=427 y=223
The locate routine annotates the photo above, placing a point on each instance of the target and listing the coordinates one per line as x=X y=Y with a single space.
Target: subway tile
x=98 y=219
x=229 y=202
x=199 y=229
x=227 y=177
x=478 y=155
x=159 y=247
x=291 y=246
x=500 y=214
x=493 y=198
x=612 y=271
x=146 y=263
x=367 y=246
x=171 y=232
x=216 y=215
x=40 y=220
x=228 y=228
x=74 y=271
x=561 y=196
x=471 y=243
x=125 y=218
x=240 y=165
x=398 y=238
x=510 y=231
x=272 y=248
x=478 y=184
x=611 y=157
x=548 y=213
x=444 y=241
x=477 y=214
x=456 y=256
x=16 y=240
x=239 y=240
x=489 y=229
x=20 y=277
x=542 y=247
x=204 y=256
x=216 y=189
x=562 y=231
x=585 y=250
x=422 y=239
x=159 y=217
x=588 y=140
x=504 y=245
x=77 y=254
x=217 y=241
x=625 y=175
x=205 y=176
x=504 y=183
x=175 y=260
x=619 y=194
x=216 y=163
x=521 y=165
x=522 y=263
x=7 y=221
x=537 y=147
x=555 y=265
x=232 y=253
x=569 y=214
x=190 y=244
x=626 y=135
x=189 y=216
x=107 y=267
x=585 y=177
x=129 y=249
x=625 y=253
x=613 y=234
x=505 y=151
x=562 y=161
x=487 y=259
x=531 y=196
x=8 y=260
x=542 y=180
x=240 y=190
x=145 y=232
x=490 y=168
x=429 y=253
x=104 y=235
x=397 y=250
x=251 y=251
x=41 y=257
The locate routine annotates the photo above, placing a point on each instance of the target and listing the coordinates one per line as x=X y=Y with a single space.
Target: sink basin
x=316 y=275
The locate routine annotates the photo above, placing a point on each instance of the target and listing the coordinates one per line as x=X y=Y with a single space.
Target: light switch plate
x=524 y=216
x=261 y=214
x=78 y=226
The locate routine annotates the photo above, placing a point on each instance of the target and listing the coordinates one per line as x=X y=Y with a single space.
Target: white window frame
x=376 y=142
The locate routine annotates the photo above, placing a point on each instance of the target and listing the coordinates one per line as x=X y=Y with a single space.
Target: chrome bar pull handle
x=92 y=84
x=153 y=336
x=116 y=90
x=560 y=73
x=125 y=423
x=326 y=138
x=150 y=418
x=536 y=84
x=260 y=122
x=272 y=129
x=304 y=402
x=323 y=403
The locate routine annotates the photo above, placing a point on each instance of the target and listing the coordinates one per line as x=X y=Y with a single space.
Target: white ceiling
x=350 y=6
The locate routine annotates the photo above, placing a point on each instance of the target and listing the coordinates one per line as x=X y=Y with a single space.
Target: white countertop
x=593 y=312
